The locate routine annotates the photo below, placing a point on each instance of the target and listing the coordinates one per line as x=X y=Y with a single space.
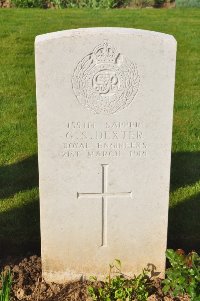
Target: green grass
x=19 y=209
x=187 y=3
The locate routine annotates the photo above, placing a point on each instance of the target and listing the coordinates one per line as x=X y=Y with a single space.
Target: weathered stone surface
x=105 y=106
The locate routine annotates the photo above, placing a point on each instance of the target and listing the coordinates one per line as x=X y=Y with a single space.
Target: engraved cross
x=104 y=195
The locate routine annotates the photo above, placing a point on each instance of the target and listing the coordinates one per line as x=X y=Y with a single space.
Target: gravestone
x=105 y=108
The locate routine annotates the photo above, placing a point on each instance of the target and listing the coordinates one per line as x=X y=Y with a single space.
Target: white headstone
x=105 y=108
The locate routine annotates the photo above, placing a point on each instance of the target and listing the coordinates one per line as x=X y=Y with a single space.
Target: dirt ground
x=28 y=285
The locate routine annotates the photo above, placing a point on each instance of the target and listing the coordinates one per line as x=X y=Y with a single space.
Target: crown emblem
x=105 y=53
x=105 y=81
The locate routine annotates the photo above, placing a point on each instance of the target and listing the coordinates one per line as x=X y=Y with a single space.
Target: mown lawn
x=19 y=208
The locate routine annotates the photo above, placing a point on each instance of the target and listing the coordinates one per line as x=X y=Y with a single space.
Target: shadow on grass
x=19 y=226
x=19 y=176
x=184 y=218
x=184 y=225
x=20 y=230
x=185 y=169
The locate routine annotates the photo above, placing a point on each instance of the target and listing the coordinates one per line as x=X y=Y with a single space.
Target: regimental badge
x=105 y=81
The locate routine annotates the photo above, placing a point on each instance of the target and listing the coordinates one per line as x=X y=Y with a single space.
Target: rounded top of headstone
x=103 y=30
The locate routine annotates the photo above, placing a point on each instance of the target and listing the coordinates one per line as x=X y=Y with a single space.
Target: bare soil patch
x=28 y=284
